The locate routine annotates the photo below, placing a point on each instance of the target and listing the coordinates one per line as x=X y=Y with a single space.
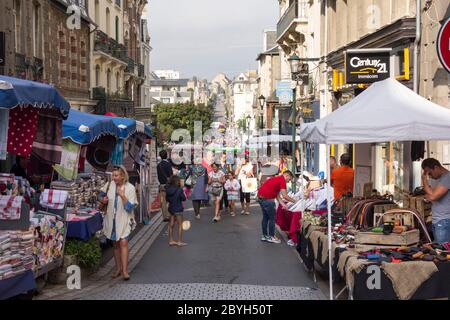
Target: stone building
x=40 y=45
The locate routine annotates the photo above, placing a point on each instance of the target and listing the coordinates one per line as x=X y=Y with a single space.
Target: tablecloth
x=20 y=284
x=86 y=229
x=289 y=221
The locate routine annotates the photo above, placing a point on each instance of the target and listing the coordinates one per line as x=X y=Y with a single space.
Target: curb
x=138 y=247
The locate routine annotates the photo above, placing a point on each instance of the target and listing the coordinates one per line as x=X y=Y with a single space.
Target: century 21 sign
x=364 y=66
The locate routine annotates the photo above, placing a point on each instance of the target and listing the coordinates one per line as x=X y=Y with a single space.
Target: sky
x=205 y=37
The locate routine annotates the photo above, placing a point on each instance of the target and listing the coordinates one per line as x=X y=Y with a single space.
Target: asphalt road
x=222 y=260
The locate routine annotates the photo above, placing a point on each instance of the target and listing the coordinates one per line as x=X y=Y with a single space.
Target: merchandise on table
x=80 y=214
x=54 y=199
x=84 y=191
x=16 y=253
x=49 y=238
x=10 y=207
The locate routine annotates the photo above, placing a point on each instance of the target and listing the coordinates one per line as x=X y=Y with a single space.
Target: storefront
x=389 y=162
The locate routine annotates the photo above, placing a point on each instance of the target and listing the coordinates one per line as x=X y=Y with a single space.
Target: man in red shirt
x=342 y=178
x=273 y=188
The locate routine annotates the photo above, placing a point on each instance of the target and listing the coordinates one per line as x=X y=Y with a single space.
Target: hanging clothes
x=22 y=130
x=4 y=123
x=47 y=145
x=117 y=154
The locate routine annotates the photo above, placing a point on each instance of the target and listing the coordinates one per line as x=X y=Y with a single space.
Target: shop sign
x=367 y=65
x=2 y=49
x=443 y=45
x=284 y=92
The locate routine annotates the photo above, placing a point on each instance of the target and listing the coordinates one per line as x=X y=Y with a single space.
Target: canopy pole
x=329 y=221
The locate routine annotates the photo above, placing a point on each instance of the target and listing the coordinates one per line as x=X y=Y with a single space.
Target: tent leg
x=329 y=221
x=341 y=292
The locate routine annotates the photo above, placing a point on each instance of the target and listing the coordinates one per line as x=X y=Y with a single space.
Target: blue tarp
x=96 y=126
x=127 y=126
x=15 y=92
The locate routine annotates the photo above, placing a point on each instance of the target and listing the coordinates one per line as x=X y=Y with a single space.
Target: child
x=232 y=186
x=175 y=197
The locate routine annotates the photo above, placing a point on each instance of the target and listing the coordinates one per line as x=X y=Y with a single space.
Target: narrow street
x=222 y=261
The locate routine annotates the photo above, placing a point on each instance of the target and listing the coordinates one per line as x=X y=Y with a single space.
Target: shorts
x=215 y=198
x=176 y=213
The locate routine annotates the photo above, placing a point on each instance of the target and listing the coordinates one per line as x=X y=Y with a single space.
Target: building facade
x=171 y=91
x=41 y=45
x=244 y=101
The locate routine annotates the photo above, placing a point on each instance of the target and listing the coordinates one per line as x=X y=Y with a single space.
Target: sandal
x=126 y=277
x=173 y=243
x=115 y=274
x=181 y=244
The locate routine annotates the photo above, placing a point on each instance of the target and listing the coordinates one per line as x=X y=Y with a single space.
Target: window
x=97 y=11
x=117 y=81
x=97 y=75
x=36 y=31
x=17 y=17
x=108 y=81
x=108 y=22
x=117 y=2
x=117 y=29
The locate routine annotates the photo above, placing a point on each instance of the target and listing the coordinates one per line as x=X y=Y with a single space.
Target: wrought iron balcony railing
x=299 y=9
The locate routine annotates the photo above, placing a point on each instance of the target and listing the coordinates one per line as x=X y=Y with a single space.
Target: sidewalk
x=101 y=280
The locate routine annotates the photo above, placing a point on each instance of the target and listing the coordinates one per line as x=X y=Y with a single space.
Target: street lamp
x=294 y=62
x=262 y=101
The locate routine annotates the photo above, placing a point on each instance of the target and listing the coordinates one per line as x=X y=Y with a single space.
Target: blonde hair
x=123 y=172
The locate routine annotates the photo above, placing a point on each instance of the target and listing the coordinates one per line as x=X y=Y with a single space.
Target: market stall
x=365 y=120
x=31 y=241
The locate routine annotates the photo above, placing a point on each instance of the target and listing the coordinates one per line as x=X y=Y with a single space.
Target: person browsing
x=273 y=188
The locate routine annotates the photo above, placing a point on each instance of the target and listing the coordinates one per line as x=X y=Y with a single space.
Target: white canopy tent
x=386 y=111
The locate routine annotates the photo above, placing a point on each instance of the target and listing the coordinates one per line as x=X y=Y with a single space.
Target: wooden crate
x=423 y=207
x=405 y=239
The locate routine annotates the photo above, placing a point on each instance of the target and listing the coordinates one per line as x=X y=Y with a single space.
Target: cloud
x=204 y=37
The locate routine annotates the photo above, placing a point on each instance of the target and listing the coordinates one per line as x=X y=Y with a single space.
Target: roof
x=271 y=52
x=169 y=82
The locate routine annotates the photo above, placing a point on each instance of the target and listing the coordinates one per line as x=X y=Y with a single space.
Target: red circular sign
x=443 y=45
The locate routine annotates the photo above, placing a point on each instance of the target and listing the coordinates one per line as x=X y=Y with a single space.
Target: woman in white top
x=118 y=222
x=216 y=181
x=242 y=172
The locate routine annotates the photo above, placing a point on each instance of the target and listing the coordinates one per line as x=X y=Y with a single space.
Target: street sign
x=284 y=91
x=443 y=45
x=2 y=49
x=367 y=65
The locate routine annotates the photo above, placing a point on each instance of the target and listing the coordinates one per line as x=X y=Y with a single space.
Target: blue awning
x=84 y=128
x=126 y=126
x=15 y=92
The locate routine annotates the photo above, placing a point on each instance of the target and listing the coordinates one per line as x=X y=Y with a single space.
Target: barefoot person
x=175 y=197
x=120 y=197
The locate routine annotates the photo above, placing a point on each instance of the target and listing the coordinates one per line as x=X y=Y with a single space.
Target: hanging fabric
x=4 y=119
x=47 y=145
x=68 y=168
x=117 y=154
x=22 y=130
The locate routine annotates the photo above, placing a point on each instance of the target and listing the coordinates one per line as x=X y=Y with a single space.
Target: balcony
x=297 y=12
x=109 y=46
x=130 y=65
x=141 y=70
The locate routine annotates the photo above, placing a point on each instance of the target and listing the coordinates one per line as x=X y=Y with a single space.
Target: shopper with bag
x=120 y=198
x=216 y=182
x=233 y=187
x=198 y=182
x=244 y=172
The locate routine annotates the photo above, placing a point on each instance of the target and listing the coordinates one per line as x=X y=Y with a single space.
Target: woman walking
x=233 y=187
x=243 y=172
x=198 y=180
x=216 y=182
x=175 y=197
x=120 y=198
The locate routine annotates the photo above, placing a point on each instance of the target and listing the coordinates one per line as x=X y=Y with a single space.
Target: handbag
x=249 y=185
x=103 y=207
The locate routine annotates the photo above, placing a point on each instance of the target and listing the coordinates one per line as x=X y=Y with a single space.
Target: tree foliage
x=181 y=116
